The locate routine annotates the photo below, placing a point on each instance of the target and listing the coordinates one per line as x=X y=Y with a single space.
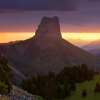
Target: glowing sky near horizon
x=13 y=36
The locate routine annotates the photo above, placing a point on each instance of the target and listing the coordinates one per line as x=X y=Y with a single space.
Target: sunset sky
x=79 y=19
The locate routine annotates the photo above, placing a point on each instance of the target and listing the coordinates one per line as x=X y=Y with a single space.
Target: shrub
x=3 y=88
x=84 y=94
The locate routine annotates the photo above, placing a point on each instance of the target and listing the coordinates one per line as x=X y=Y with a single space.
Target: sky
x=79 y=19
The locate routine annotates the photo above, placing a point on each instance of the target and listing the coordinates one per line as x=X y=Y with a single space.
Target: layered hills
x=47 y=50
x=93 y=47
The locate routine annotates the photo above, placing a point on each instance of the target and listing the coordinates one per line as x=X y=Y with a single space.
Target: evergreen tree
x=66 y=71
x=82 y=79
x=59 y=91
x=77 y=77
x=5 y=72
x=72 y=85
x=3 y=88
x=84 y=94
x=84 y=70
x=33 y=78
x=35 y=89
x=97 y=88
x=66 y=89
x=48 y=91
x=90 y=75
x=51 y=75
x=97 y=72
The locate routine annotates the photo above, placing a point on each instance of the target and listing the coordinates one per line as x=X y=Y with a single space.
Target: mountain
x=47 y=50
x=94 y=51
x=93 y=47
x=78 y=42
x=9 y=43
x=98 y=55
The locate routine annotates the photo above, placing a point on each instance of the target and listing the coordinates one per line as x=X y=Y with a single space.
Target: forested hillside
x=57 y=86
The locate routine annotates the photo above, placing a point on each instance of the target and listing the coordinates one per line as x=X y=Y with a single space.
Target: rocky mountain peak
x=49 y=27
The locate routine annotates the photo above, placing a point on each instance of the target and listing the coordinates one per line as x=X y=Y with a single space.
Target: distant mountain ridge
x=78 y=42
x=93 y=47
x=47 y=50
x=94 y=51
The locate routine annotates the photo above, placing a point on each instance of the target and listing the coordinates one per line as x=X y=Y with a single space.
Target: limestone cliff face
x=49 y=27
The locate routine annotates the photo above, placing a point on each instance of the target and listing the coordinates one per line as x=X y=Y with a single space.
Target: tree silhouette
x=5 y=75
x=97 y=88
x=72 y=85
x=84 y=94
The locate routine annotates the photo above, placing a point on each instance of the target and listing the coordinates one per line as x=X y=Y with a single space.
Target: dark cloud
x=84 y=20
x=7 y=6
x=93 y=0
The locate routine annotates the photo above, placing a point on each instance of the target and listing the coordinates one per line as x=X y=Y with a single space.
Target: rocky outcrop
x=19 y=94
x=49 y=27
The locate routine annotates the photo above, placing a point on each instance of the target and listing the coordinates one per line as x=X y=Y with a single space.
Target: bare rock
x=49 y=27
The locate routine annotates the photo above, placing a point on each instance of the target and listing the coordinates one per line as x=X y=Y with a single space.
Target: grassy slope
x=89 y=86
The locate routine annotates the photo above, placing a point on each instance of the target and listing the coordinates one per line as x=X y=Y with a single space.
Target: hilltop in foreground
x=47 y=50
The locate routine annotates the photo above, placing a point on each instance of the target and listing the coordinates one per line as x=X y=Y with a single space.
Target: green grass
x=89 y=86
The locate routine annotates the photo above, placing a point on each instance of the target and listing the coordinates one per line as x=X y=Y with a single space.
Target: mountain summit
x=49 y=27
